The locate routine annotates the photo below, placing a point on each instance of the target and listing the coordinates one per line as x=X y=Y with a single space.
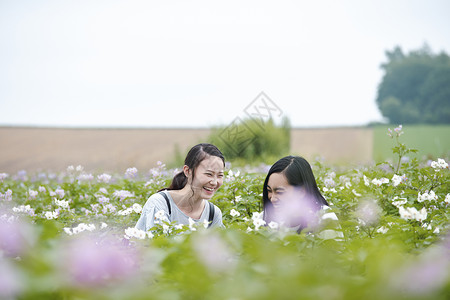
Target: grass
x=432 y=141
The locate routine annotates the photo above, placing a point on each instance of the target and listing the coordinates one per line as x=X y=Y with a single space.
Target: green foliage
x=389 y=249
x=252 y=140
x=415 y=87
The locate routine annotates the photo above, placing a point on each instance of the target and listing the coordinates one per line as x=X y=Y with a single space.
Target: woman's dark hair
x=298 y=173
x=194 y=157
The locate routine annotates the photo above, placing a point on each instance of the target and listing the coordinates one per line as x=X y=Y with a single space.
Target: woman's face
x=208 y=177
x=280 y=191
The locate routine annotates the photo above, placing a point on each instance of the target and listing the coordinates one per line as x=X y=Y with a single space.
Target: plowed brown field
x=53 y=149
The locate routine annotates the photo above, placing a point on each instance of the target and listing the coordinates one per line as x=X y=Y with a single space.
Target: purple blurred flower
x=91 y=262
x=131 y=173
x=296 y=211
x=21 y=175
x=3 y=176
x=429 y=273
x=123 y=194
x=15 y=237
x=7 y=196
x=213 y=252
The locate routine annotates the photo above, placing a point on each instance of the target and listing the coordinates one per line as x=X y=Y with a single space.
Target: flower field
x=71 y=235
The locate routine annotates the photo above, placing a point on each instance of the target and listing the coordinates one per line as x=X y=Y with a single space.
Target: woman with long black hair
x=186 y=199
x=291 y=196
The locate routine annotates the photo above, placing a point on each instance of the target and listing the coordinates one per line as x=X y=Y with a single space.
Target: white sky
x=200 y=63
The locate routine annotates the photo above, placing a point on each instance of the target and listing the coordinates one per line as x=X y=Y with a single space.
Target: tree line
x=415 y=87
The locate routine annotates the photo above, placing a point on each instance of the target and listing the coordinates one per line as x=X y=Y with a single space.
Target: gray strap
x=211 y=213
x=167 y=201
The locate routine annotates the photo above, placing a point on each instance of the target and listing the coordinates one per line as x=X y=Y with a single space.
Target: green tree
x=415 y=87
x=252 y=139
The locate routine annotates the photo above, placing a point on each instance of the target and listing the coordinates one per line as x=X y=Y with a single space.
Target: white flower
x=83 y=227
x=140 y=234
x=405 y=213
x=32 y=194
x=205 y=223
x=382 y=230
x=249 y=229
x=431 y=196
x=42 y=189
x=79 y=168
x=51 y=215
x=436 y=230
x=160 y=215
x=68 y=231
x=131 y=232
x=62 y=203
x=179 y=226
x=104 y=178
x=447 y=199
x=273 y=225
x=411 y=213
x=258 y=223
x=125 y=212
x=24 y=209
x=238 y=199
x=399 y=202
x=366 y=181
x=379 y=182
x=257 y=215
x=104 y=225
x=85 y=177
x=150 y=234
x=355 y=193
x=166 y=228
x=396 y=180
x=137 y=208
x=192 y=224
x=234 y=213
x=439 y=165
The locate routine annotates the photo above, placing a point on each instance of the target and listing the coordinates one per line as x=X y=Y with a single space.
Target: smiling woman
x=186 y=199
x=291 y=196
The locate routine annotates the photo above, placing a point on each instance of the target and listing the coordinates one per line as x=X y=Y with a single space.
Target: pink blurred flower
x=92 y=262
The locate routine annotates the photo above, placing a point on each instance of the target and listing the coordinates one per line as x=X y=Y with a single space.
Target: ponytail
x=178 y=182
